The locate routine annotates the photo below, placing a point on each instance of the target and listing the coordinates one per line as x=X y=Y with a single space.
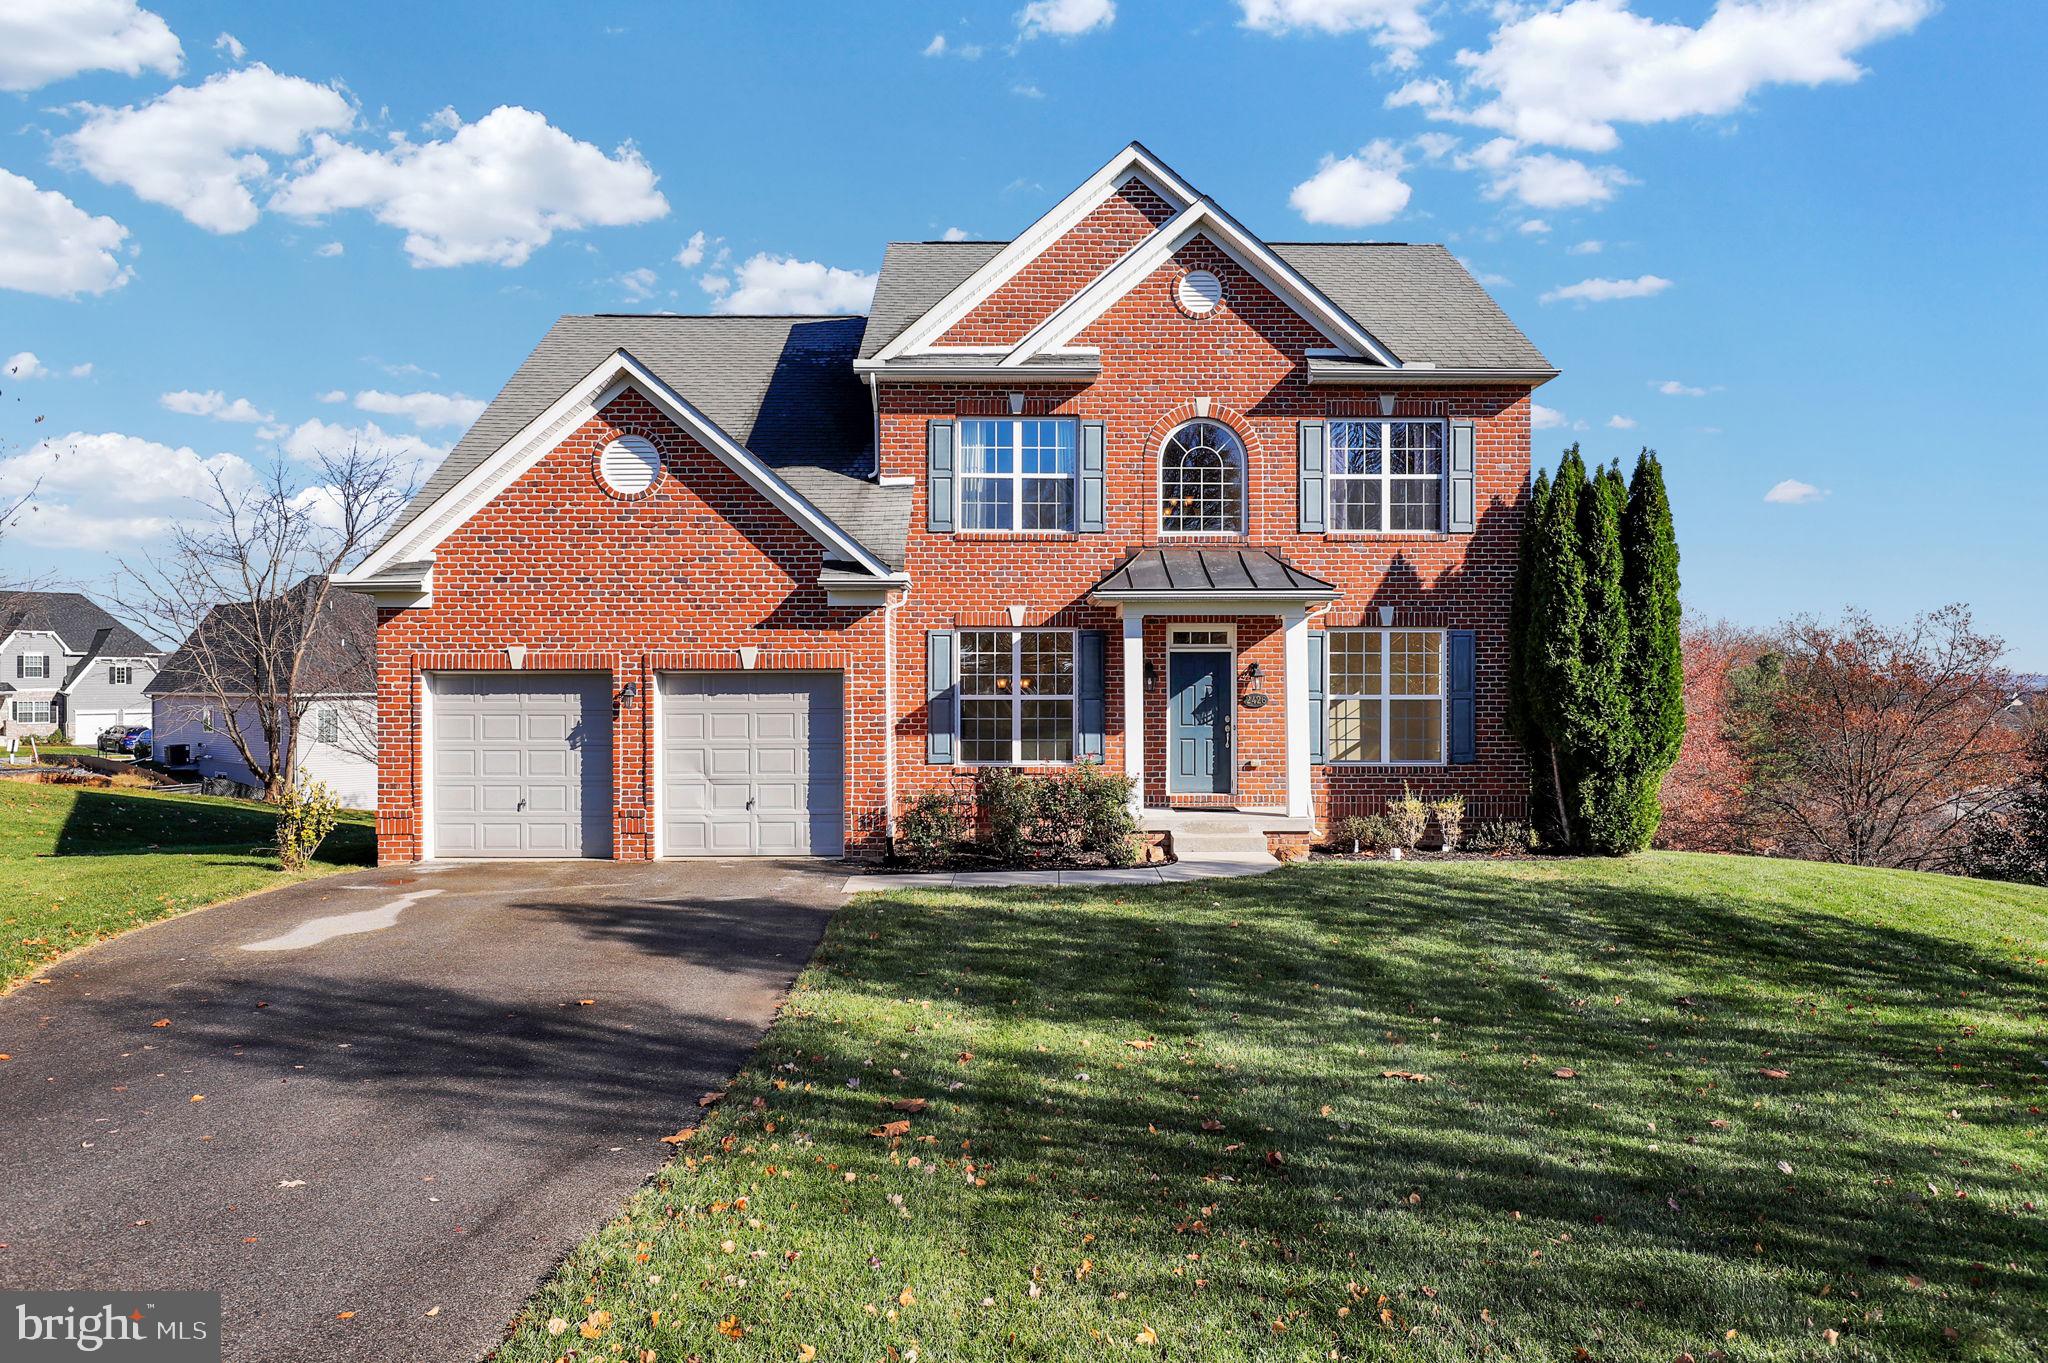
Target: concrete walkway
x=1207 y=844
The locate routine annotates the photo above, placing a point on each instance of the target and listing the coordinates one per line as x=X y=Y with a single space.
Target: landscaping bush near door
x=1078 y=816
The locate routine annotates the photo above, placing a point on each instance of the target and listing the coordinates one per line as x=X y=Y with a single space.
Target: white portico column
x=1300 y=795
x=1134 y=705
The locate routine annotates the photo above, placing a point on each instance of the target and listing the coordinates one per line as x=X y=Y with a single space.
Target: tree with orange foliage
x=1704 y=794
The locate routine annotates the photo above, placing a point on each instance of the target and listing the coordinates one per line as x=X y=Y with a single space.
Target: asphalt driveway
x=385 y=1103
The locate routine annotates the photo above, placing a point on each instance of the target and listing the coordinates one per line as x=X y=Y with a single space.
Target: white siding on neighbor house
x=351 y=776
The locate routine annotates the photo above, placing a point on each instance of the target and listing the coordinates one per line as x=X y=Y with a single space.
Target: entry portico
x=1209 y=598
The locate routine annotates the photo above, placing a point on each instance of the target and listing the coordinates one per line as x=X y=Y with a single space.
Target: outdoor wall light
x=1251 y=673
x=626 y=693
x=1151 y=675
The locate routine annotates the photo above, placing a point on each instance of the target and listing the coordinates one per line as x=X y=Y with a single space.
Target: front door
x=1198 y=730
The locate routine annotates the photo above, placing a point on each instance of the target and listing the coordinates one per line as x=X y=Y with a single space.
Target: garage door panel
x=752 y=764
x=521 y=765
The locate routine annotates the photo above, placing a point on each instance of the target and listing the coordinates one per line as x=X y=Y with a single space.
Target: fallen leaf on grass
x=710 y=1098
x=1830 y=1335
x=687 y=1133
x=910 y=1105
x=1147 y=1044
x=1775 y=1074
x=1406 y=1074
x=1211 y=1124
x=1784 y=1167
x=806 y=1353
x=731 y=1328
x=906 y=1298
x=1146 y=1338
x=1565 y=1074
x=887 y=1130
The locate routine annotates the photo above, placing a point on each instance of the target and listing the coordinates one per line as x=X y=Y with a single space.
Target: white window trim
x=1175 y=643
x=1386 y=477
x=1015 y=477
x=32 y=661
x=1016 y=697
x=1386 y=698
x=48 y=708
x=120 y=674
x=1244 y=485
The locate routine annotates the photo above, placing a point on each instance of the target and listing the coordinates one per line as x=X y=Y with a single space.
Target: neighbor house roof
x=1416 y=300
x=84 y=627
x=781 y=387
x=340 y=656
x=1209 y=572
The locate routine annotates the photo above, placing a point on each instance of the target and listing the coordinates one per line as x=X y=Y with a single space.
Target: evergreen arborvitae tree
x=1520 y=721
x=1654 y=673
x=1551 y=660
x=1598 y=737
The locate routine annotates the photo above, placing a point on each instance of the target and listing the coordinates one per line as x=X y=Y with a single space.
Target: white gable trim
x=586 y=398
x=1134 y=162
x=38 y=634
x=1251 y=254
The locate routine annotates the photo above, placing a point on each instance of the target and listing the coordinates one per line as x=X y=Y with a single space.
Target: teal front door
x=1198 y=726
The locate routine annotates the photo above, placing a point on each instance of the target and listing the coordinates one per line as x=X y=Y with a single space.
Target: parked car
x=144 y=743
x=121 y=739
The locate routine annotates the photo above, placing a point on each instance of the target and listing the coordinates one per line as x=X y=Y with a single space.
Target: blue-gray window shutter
x=1461 y=678
x=938 y=477
x=1090 y=648
x=1312 y=440
x=1318 y=696
x=1461 y=504
x=942 y=696
x=1092 y=512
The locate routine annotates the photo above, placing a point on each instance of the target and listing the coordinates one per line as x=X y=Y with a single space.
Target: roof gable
x=75 y=620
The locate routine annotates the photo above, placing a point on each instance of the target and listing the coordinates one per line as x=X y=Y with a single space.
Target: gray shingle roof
x=74 y=619
x=1248 y=571
x=783 y=387
x=339 y=657
x=1418 y=301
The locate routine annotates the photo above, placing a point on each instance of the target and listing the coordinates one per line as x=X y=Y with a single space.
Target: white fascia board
x=1134 y=162
x=1251 y=254
x=38 y=634
x=540 y=437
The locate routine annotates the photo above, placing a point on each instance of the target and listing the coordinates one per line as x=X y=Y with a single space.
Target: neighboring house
x=336 y=738
x=67 y=667
x=1235 y=517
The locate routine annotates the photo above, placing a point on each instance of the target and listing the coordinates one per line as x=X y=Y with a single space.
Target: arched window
x=1201 y=481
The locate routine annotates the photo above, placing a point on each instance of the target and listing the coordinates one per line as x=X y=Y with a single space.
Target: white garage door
x=87 y=725
x=752 y=764
x=522 y=764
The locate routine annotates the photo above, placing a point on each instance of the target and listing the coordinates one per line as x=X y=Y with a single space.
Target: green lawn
x=1173 y=1123
x=79 y=864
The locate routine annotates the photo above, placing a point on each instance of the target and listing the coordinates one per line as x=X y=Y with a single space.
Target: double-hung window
x=34 y=666
x=120 y=674
x=1017 y=696
x=1017 y=473
x=35 y=712
x=1386 y=475
x=327 y=726
x=1386 y=695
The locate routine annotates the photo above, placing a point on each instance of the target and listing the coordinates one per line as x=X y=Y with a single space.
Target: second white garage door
x=752 y=764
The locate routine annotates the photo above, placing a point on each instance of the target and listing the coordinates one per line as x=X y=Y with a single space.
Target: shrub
x=1004 y=803
x=1450 y=819
x=1410 y=816
x=1368 y=832
x=305 y=816
x=931 y=828
x=1099 y=802
x=1501 y=836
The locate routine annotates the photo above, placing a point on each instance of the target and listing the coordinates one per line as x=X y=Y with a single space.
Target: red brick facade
x=704 y=566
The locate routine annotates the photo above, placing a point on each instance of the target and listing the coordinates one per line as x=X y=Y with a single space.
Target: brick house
x=1238 y=518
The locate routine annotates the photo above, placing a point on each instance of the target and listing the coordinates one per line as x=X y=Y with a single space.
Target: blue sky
x=1793 y=245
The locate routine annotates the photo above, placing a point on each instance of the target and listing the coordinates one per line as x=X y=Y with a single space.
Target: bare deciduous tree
x=248 y=585
x=1869 y=745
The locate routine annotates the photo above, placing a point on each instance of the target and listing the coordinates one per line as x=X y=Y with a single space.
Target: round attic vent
x=1199 y=292
x=629 y=465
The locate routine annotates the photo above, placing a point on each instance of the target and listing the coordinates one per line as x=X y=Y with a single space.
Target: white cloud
x=197 y=149
x=1486 y=277
x=1540 y=179
x=51 y=246
x=123 y=469
x=1397 y=26
x=1026 y=90
x=1435 y=146
x=333 y=395
x=81 y=371
x=1534 y=227
x=1065 y=18
x=423 y=410
x=1543 y=418
x=311 y=439
x=1357 y=190
x=1566 y=75
x=1607 y=290
x=954 y=234
x=213 y=403
x=1618 y=422
x=230 y=44
x=1586 y=248
x=783 y=284
x=936 y=47
x=1792 y=492
x=24 y=365
x=42 y=41
x=637 y=284
x=491 y=193
x=1672 y=388
x=330 y=249
x=692 y=254
x=60 y=525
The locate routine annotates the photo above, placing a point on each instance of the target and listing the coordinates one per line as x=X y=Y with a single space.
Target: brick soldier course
x=792 y=524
